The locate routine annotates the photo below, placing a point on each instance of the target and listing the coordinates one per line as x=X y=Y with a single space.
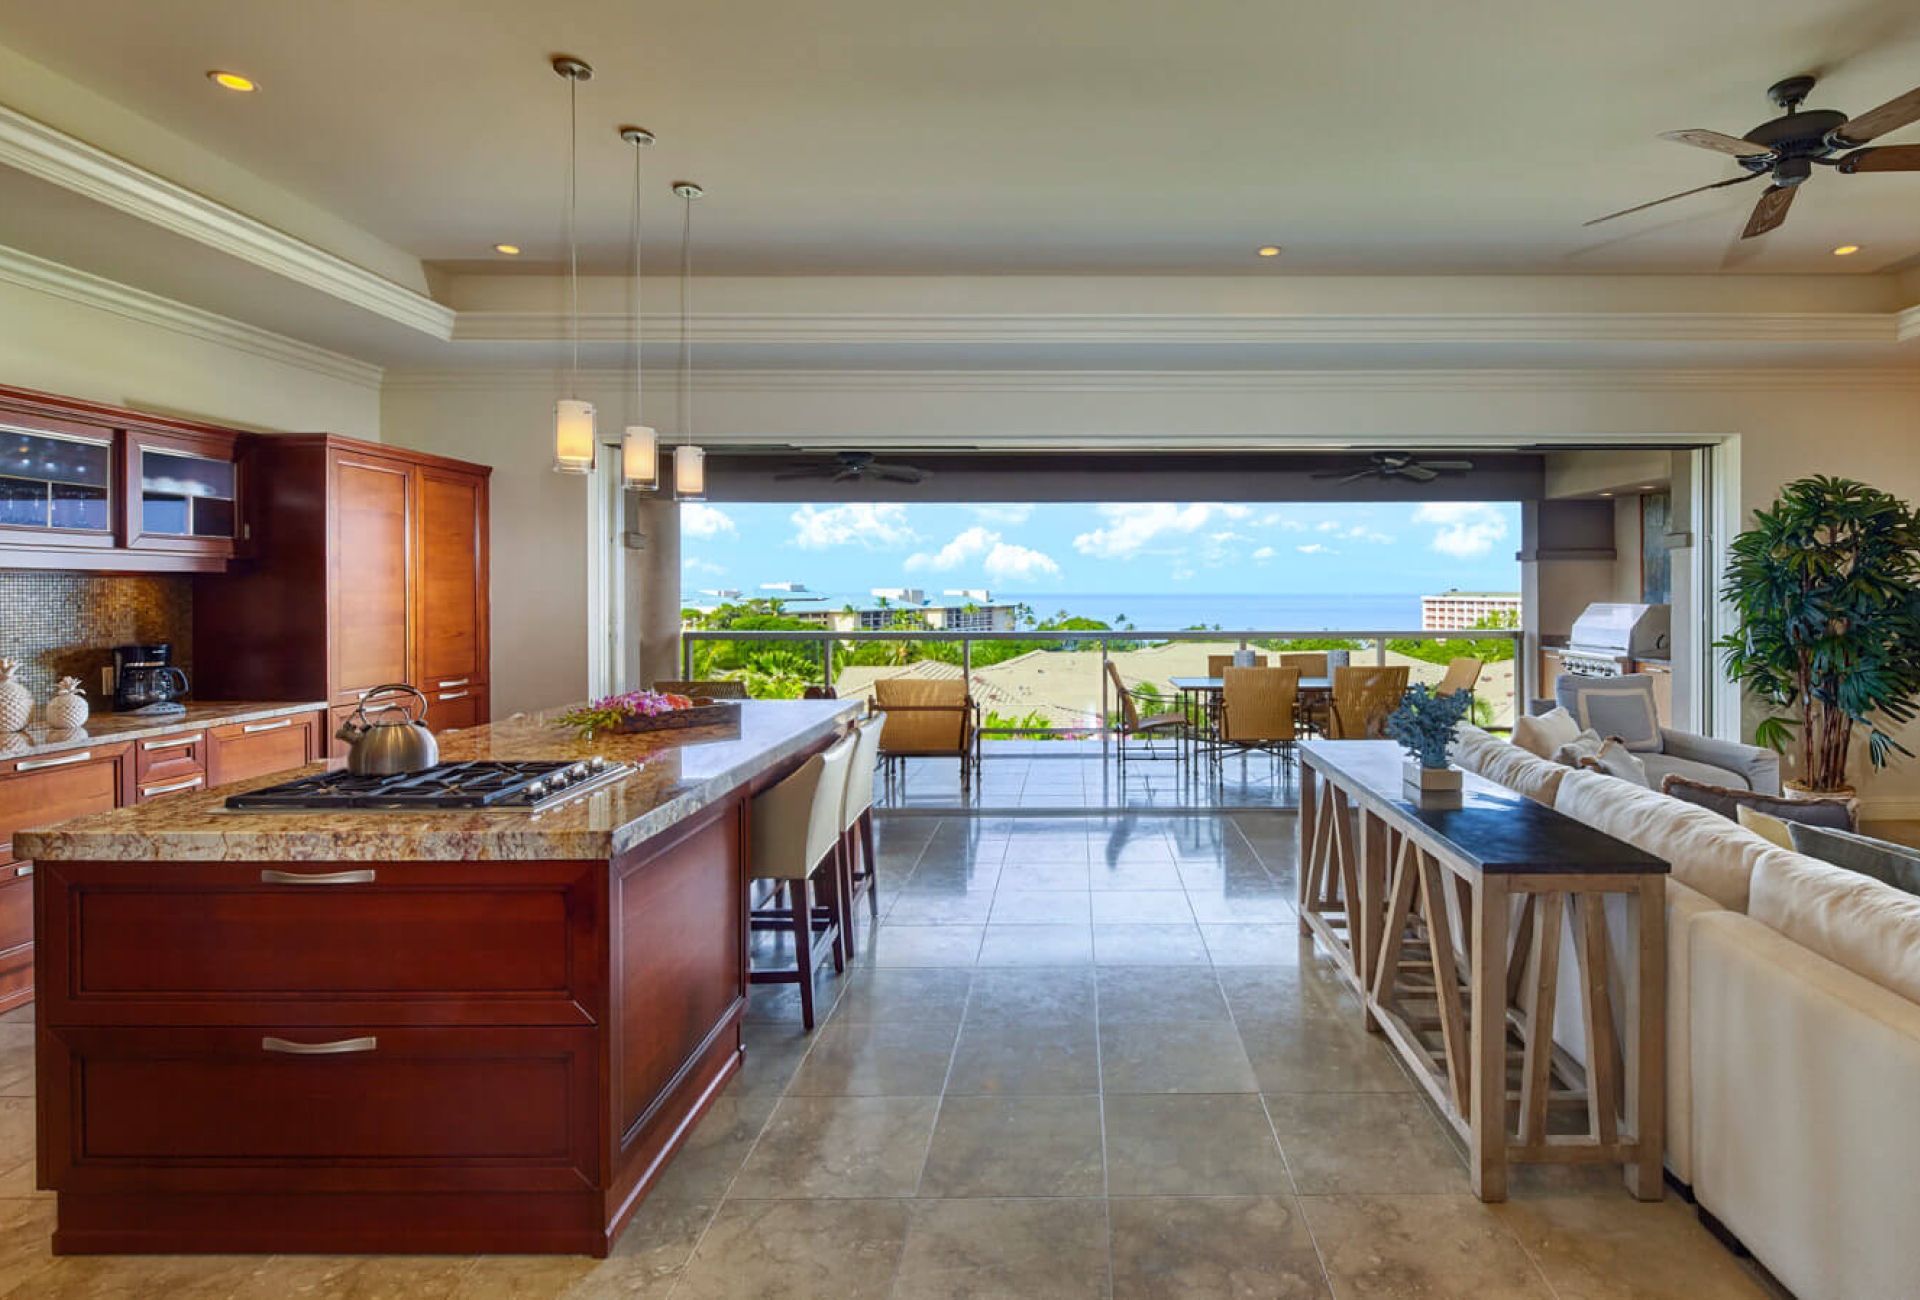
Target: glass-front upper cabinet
x=183 y=493
x=56 y=483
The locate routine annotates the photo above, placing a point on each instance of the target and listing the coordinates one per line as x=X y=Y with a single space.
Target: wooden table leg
x=1646 y=1046
x=1307 y=823
x=1374 y=848
x=1487 y=1118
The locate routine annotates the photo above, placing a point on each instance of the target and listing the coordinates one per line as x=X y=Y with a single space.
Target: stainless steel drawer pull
x=271 y=877
x=147 y=792
x=339 y=1047
x=24 y=869
x=447 y=686
x=453 y=695
x=252 y=727
x=174 y=742
x=35 y=764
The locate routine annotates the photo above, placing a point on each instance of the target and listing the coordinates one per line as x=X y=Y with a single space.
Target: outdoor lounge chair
x=1135 y=725
x=1362 y=699
x=1463 y=674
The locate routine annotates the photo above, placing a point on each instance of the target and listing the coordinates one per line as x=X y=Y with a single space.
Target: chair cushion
x=1726 y=800
x=1614 y=706
x=1543 y=735
x=1891 y=864
x=1870 y=928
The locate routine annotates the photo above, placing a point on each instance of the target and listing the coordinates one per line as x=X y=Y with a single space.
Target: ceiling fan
x=1401 y=464
x=855 y=467
x=1788 y=147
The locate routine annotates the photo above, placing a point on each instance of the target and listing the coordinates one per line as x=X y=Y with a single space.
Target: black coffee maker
x=145 y=680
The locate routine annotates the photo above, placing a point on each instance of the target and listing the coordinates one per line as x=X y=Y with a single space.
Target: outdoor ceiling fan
x=1401 y=464
x=1788 y=147
x=855 y=467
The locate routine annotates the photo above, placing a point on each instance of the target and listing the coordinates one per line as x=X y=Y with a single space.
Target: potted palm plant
x=1826 y=585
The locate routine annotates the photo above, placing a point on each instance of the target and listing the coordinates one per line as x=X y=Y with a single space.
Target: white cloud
x=1007 y=562
x=1315 y=548
x=691 y=565
x=1328 y=526
x=1003 y=514
x=1131 y=528
x=1465 y=528
x=969 y=545
x=1181 y=575
x=1264 y=554
x=700 y=520
x=871 y=526
x=1274 y=519
x=1362 y=533
x=1222 y=539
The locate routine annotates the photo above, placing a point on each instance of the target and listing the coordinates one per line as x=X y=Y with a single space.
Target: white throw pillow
x=1615 y=759
x=1542 y=736
x=1585 y=745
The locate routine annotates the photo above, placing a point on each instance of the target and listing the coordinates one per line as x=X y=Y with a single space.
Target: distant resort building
x=1452 y=611
x=957 y=611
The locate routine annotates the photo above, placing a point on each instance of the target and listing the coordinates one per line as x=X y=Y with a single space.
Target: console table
x=1450 y=922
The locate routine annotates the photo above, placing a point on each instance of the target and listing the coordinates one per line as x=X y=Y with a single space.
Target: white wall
x=1862 y=424
x=58 y=344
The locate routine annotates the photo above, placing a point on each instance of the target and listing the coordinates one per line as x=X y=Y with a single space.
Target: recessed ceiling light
x=231 y=81
x=509 y=250
x=1606 y=494
x=1846 y=250
x=1270 y=250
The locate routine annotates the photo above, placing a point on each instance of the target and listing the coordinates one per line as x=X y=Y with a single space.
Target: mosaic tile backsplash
x=56 y=625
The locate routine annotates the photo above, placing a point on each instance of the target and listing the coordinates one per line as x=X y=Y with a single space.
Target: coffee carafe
x=145 y=680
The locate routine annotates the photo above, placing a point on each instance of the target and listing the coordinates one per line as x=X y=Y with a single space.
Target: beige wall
x=58 y=345
x=1864 y=424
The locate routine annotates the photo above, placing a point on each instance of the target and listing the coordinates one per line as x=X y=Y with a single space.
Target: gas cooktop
x=520 y=787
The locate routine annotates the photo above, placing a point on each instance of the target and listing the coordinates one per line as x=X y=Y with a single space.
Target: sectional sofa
x=1793 y=1033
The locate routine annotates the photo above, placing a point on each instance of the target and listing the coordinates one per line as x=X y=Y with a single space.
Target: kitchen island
x=465 y=1031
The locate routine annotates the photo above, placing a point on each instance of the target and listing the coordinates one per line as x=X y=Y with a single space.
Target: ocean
x=1172 y=611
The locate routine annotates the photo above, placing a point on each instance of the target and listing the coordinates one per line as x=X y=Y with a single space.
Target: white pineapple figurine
x=16 y=704
x=67 y=710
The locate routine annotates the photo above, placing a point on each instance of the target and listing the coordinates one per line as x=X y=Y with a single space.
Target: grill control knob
x=597 y=763
x=537 y=790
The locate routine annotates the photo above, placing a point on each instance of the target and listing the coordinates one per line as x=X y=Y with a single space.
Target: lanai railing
x=1074 y=695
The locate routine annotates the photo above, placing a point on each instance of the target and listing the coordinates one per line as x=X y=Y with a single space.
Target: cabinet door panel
x=457 y=709
x=453 y=597
x=372 y=548
x=57 y=788
x=245 y=750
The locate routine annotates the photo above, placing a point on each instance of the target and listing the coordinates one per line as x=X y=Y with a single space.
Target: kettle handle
x=397 y=701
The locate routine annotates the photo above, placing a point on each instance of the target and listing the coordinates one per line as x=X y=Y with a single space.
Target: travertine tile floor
x=1082 y=1057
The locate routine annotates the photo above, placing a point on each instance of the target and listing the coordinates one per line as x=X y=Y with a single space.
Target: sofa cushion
x=1541 y=736
x=1870 y=928
x=1616 y=760
x=1708 y=853
x=1891 y=864
x=1614 y=706
x=1767 y=827
x=1577 y=751
x=1521 y=772
x=1727 y=800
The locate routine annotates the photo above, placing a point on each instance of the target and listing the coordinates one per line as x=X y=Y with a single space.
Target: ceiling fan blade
x=1449 y=466
x=1887 y=158
x=1876 y=122
x=1343 y=478
x=1418 y=473
x=1718 y=141
x=851 y=474
x=789 y=476
x=899 y=473
x=1770 y=211
x=1698 y=189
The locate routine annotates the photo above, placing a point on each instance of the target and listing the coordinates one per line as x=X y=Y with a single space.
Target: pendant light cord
x=686 y=318
x=573 y=243
x=639 y=318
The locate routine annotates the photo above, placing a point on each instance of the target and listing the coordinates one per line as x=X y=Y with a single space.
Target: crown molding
x=1906 y=324
x=39 y=150
x=38 y=274
x=1180 y=381
x=1173 y=329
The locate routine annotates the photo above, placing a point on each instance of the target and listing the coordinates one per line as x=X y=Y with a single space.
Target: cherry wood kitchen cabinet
x=368 y=564
x=35 y=792
x=240 y=751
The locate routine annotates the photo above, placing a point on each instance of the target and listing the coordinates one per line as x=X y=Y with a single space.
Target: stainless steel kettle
x=392 y=740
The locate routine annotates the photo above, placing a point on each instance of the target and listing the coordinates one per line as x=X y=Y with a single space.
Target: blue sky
x=1030 y=550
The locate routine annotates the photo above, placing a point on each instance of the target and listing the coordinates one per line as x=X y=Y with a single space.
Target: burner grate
x=526 y=785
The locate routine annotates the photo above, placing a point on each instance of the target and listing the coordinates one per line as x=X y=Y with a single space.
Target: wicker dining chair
x=928 y=718
x=1135 y=725
x=1310 y=663
x=718 y=689
x=1257 y=711
x=1217 y=665
x=1463 y=674
x=1362 y=699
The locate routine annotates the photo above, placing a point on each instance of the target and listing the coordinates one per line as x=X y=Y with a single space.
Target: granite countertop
x=113 y=728
x=680 y=773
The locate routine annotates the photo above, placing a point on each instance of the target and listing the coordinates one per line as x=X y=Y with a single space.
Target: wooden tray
x=704 y=713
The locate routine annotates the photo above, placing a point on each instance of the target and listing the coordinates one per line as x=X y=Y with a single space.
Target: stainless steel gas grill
x=1608 y=637
x=518 y=787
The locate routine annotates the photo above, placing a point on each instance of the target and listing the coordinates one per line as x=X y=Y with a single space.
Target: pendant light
x=689 y=461
x=639 y=445
x=573 y=436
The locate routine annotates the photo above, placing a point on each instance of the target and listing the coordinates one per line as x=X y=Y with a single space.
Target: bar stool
x=862 y=863
x=795 y=840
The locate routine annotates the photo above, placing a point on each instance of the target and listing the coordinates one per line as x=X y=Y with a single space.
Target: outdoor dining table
x=1197 y=695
